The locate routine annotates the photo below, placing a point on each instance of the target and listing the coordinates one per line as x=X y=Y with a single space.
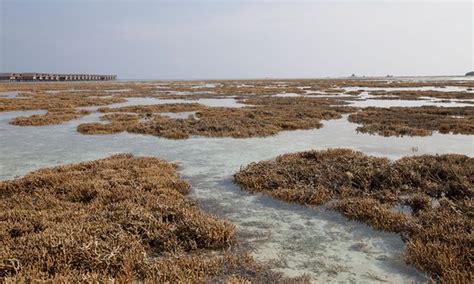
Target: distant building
x=5 y=76
x=15 y=77
x=29 y=76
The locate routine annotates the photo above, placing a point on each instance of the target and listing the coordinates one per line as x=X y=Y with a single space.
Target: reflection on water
x=313 y=241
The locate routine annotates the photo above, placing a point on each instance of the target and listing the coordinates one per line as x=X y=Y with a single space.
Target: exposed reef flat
x=125 y=218
x=427 y=199
x=248 y=108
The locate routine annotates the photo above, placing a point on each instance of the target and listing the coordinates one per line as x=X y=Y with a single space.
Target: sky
x=237 y=39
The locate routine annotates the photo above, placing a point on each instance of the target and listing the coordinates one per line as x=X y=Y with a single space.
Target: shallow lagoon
x=298 y=240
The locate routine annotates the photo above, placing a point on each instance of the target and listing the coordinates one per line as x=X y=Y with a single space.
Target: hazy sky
x=236 y=39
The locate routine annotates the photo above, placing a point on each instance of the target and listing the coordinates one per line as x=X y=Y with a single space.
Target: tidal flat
x=227 y=125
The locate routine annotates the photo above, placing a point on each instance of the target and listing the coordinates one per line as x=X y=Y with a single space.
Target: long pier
x=48 y=77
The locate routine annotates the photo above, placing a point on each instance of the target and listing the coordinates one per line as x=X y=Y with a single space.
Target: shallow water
x=426 y=88
x=407 y=103
x=180 y=115
x=9 y=95
x=459 y=78
x=313 y=94
x=225 y=102
x=186 y=93
x=66 y=91
x=118 y=90
x=301 y=240
x=204 y=86
x=288 y=95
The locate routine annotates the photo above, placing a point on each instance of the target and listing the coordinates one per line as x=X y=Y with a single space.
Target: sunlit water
x=299 y=240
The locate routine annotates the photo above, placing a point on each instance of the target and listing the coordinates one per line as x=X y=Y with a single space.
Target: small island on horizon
x=470 y=73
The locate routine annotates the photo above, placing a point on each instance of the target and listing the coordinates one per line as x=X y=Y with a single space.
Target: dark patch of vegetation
x=438 y=190
x=152 y=109
x=121 y=218
x=53 y=116
x=416 y=95
x=420 y=121
x=214 y=122
x=266 y=114
x=45 y=101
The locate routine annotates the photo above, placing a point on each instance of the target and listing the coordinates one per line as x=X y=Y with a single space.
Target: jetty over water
x=49 y=77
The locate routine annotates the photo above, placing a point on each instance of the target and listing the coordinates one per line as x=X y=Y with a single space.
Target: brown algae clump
x=419 y=121
x=52 y=117
x=123 y=217
x=416 y=95
x=266 y=113
x=212 y=122
x=428 y=199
